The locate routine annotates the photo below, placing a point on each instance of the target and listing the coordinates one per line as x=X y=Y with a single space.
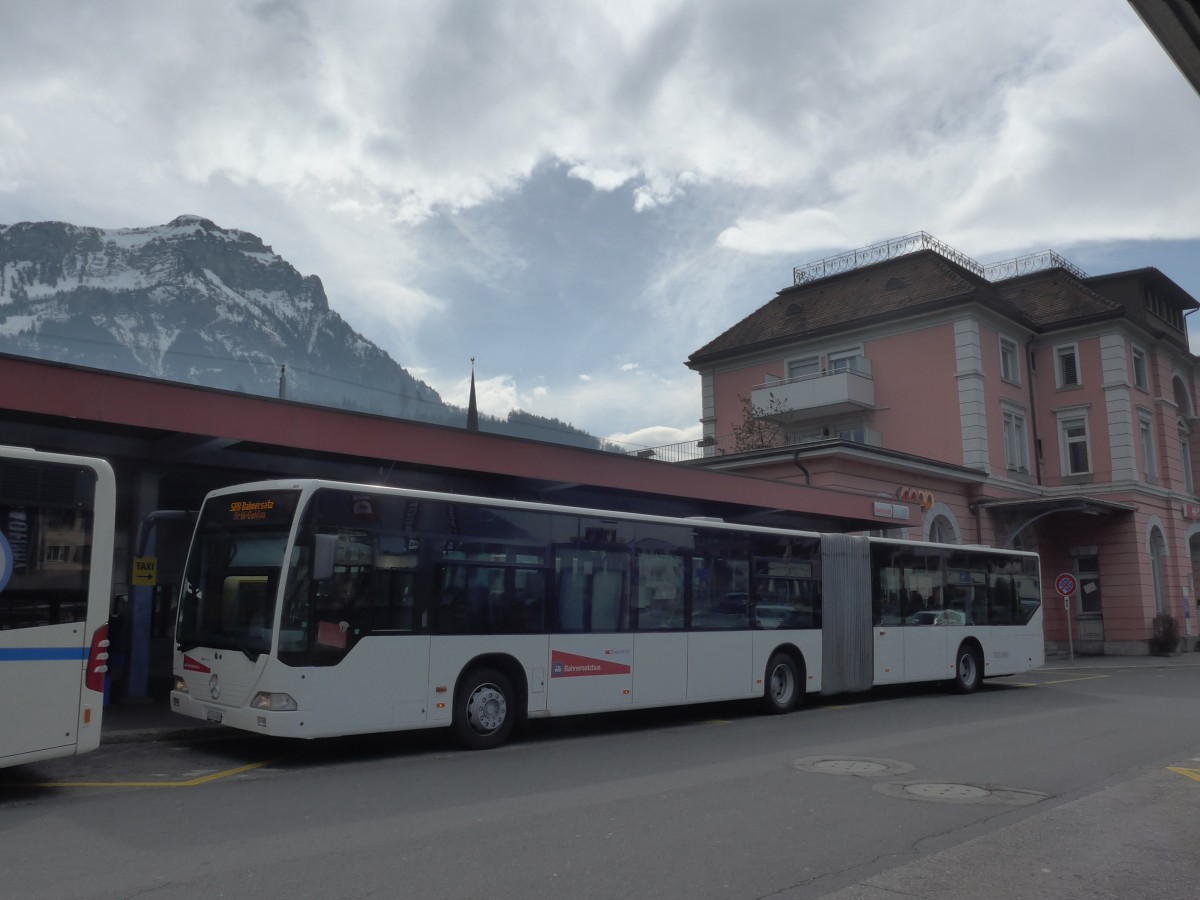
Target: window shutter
x=1070 y=374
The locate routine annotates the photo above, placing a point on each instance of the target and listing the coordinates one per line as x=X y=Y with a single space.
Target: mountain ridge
x=194 y=302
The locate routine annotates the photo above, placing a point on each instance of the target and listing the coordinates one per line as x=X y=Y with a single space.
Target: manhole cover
x=851 y=765
x=946 y=791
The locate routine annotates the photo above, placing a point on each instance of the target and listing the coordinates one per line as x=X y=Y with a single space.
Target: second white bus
x=314 y=608
x=56 y=549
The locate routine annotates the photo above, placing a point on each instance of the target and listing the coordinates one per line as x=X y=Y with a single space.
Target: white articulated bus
x=56 y=548
x=315 y=608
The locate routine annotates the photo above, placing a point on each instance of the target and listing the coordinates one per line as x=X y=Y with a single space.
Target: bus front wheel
x=968 y=670
x=784 y=685
x=484 y=710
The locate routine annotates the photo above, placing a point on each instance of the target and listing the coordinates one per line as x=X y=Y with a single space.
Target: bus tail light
x=180 y=684
x=273 y=702
x=97 y=664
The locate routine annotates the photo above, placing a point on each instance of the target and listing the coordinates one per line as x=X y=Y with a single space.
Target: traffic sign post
x=1066 y=584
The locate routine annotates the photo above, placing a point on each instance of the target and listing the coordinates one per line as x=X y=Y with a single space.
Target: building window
x=808 y=435
x=1016 y=443
x=839 y=361
x=1010 y=369
x=1140 y=379
x=1088 y=569
x=1149 y=457
x=1073 y=436
x=1185 y=456
x=1158 y=305
x=1067 y=366
x=807 y=367
x=860 y=434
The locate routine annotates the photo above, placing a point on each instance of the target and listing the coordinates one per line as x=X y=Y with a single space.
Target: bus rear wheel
x=484 y=711
x=784 y=686
x=968 y=670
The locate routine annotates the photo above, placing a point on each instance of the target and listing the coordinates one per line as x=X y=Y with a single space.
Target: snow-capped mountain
x=190 y=301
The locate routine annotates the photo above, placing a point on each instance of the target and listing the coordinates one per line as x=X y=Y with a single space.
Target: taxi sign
x=145 y=571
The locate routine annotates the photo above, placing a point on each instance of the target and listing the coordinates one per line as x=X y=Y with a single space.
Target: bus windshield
x=232 y=577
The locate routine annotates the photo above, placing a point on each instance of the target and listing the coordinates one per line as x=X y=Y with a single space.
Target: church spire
x=472 y=409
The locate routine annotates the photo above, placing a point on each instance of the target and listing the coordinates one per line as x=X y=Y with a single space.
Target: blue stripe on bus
x=23 y=654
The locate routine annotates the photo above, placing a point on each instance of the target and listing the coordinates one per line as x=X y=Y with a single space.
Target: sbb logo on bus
x=924 y=499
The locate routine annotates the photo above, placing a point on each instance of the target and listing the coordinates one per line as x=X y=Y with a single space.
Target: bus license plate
x=214 y=715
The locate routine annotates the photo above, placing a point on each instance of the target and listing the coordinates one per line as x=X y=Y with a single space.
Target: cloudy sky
x=580 y=194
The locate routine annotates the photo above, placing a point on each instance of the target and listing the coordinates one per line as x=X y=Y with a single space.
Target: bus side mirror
x=324 y=553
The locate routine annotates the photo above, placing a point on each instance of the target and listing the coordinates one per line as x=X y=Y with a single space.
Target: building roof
x=920 y=281
x=1055 y=298
x=897 y=286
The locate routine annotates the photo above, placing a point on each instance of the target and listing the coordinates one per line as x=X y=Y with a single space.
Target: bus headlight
x=180 y=684
x=274 y=702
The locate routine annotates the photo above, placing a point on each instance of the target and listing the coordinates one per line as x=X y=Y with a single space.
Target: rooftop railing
x=911 y=243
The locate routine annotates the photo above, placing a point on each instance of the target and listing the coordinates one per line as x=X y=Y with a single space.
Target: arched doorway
x=1158 y=554
x=940 y=526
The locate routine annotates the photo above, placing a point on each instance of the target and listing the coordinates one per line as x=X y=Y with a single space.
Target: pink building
x=1023 y=404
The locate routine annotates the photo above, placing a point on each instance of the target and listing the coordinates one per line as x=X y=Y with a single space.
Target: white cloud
x=407 y=153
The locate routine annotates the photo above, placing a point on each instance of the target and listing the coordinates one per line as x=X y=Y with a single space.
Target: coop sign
x=921 y=497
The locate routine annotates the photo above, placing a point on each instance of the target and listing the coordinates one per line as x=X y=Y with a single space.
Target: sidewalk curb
x=146 y=735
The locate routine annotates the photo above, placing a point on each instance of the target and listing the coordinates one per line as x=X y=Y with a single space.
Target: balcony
x=846 y=387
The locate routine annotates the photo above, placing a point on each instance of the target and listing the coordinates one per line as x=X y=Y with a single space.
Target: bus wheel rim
x=781 y=684
x=487 y=709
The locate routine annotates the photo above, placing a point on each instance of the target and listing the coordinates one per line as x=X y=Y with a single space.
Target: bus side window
x=591 y=590
x=572 y=596
x=608 y=589
x=527 y=605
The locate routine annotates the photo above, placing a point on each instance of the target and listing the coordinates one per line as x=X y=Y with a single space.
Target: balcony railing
x=847 y=386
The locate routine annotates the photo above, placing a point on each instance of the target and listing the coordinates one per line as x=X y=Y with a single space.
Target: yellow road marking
x=1079 y=678
x=1194 y=774
x=203 y=779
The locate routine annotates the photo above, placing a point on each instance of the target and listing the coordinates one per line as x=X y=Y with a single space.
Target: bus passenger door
x=591 y=658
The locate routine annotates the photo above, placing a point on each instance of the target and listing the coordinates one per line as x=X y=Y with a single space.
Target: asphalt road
x=1059 y=784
